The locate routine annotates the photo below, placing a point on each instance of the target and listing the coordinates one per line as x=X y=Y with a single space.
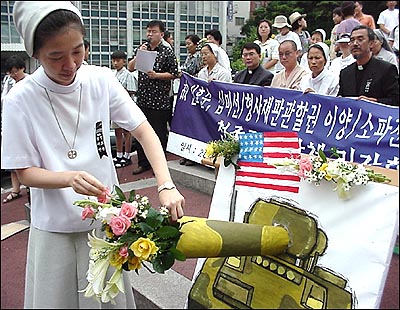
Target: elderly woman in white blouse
x=320 y=80
x=212 y=69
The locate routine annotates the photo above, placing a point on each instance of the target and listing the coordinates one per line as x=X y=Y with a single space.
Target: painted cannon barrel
x=203 y=237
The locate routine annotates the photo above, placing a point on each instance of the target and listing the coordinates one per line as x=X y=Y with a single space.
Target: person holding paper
x=154 y=87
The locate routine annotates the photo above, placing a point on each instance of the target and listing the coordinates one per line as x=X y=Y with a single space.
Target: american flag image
x=257 y=151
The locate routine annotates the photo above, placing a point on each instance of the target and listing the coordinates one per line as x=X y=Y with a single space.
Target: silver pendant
x=72 y=154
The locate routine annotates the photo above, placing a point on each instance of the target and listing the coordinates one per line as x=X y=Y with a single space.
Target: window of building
x=104 y=5
x=184 y=9
x=162 y=7
x=154 y=6
x=171 y=7
x=239 y=21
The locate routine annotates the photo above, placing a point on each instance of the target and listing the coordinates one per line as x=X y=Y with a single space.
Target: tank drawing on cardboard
x=290 y=280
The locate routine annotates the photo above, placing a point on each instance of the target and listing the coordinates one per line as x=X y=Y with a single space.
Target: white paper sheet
x=145 y=60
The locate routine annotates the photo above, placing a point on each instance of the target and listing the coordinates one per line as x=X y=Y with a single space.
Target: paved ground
x=13 y=249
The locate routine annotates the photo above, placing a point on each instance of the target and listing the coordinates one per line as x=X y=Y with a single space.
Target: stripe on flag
x=257 y=151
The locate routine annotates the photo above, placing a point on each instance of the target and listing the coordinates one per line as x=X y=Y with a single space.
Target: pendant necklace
x=72 y=153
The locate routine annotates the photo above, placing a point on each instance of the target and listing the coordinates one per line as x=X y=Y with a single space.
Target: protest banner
x=363 y=132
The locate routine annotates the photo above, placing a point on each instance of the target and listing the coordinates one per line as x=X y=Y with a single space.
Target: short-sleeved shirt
x=126 y=78
x=269 y=51
x=193 y=64
x=346 y=26
x=154 y=93
x=29 y=119
x=388 y=18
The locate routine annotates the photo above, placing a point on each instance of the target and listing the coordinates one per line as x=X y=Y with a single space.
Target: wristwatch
x=166 y=185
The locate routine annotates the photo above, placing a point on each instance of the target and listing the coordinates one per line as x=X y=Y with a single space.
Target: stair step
x=199 y=177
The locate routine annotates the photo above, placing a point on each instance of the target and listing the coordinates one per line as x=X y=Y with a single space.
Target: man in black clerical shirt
x=368 y=78
x=254 y=74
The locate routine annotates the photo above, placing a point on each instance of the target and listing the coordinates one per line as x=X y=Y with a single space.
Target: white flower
x=334 y=169
x=164 y=210
x=98 y=243
x=113 y=287
x=144 y=200
x=143 y=214
x=107 y=214
x=96 y=277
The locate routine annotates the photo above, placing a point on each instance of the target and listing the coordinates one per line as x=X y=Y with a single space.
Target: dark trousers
x=158 y=120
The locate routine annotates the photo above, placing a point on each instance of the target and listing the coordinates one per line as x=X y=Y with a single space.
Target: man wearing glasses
x=368 y=78
x=154 y=87
x=254 y=74
x=291 y=76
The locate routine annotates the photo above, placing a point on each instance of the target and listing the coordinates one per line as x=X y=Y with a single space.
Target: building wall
x=241 y=13
x=112 y=25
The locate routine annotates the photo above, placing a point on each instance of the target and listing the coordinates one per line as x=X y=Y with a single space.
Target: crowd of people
x=269 y=61
x=361 y=62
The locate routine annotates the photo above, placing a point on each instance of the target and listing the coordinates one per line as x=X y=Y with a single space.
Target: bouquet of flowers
x=344 y=174
x=135 y=233
x=227 y=148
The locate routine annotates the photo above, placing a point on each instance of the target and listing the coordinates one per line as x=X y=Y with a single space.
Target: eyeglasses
x=252 y=54
x=358 y=39
x=286 y=54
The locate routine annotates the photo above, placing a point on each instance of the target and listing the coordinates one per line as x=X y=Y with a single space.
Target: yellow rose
x=134 y=263
x=117 y=260
x=143 y=248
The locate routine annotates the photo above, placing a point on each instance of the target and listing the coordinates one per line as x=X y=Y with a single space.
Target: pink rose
x=120 y=224
x=128 y=210
x=105 y=196
x=305 y=165
x=87 y=213
x=123 y=251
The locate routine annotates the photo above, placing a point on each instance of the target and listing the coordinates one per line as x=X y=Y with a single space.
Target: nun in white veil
x=213 y=70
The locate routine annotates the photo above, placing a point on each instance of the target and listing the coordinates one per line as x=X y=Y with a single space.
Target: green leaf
x=178 y=254
x=322 y=155
x=168 y=260
x=128 y=237
x=167 y=232
x=157 y=265
x=132 y=195
x=120 y=193
x=154 y=218
x=145 y=228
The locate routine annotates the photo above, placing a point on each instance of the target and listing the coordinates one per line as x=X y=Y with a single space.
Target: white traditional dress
x=58 y=236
